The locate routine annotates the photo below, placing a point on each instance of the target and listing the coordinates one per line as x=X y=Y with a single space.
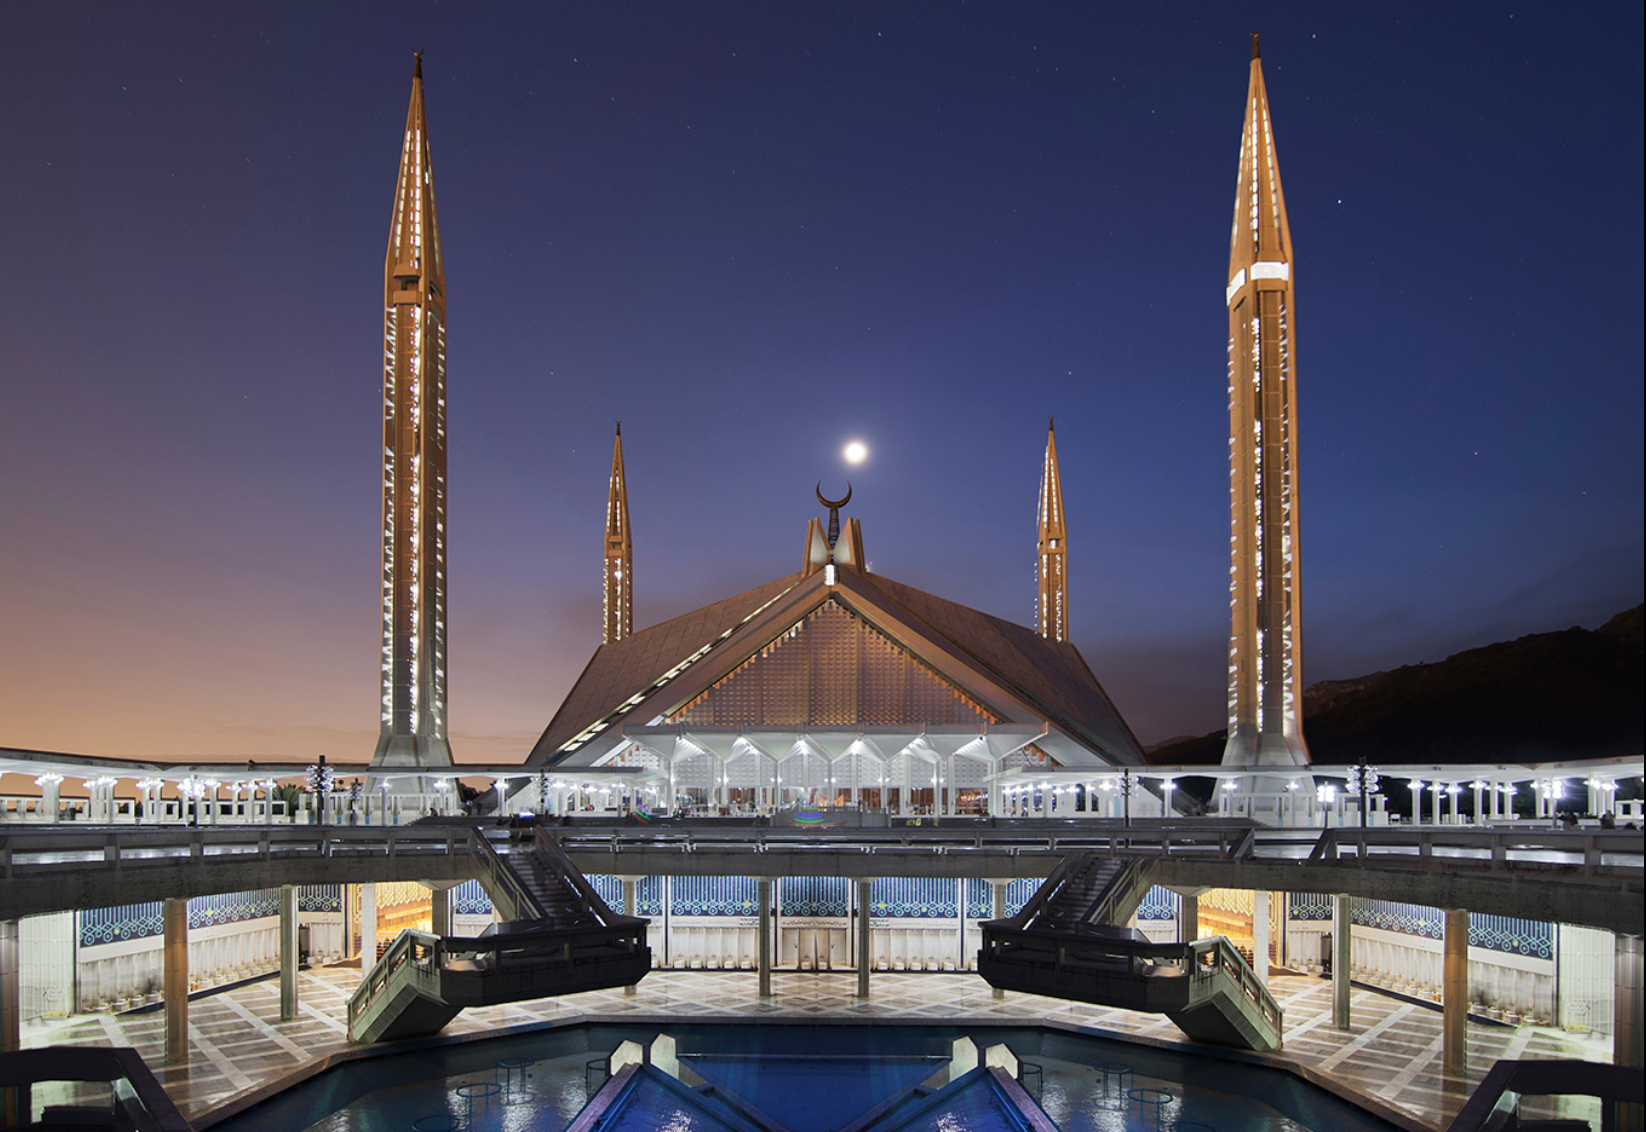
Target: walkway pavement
x=238 y=1045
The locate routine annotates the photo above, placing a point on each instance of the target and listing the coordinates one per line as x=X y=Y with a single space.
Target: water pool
x=806 y=1077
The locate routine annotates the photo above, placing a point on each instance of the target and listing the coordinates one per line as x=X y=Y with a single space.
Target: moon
x=856 y=452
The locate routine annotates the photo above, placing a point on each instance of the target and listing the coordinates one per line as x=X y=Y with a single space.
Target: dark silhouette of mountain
x=1573 y=694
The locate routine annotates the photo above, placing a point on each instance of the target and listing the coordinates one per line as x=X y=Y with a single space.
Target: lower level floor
x=238 y=1046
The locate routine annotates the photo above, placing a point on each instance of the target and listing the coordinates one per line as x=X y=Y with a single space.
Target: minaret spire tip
x=1254 y=46
x=417 y=69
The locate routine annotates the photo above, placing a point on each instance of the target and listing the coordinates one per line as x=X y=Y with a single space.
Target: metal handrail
x=1104 y=909
x=554 y=857
x=1495 y=1099
x=1070 y=867
x=1591 y=854
x=1203 y=961
x=497 y=870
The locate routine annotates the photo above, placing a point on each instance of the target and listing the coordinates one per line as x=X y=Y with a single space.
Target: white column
x=368 y=928
x=1260 y=936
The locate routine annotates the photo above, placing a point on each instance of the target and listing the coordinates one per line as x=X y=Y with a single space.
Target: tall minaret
x=414 y=464
x=1265 y=640
x=1052 y=608
x=619 y=551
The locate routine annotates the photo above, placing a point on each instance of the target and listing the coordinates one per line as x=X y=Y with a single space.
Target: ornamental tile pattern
x=814 y=896
x=979 y=899
x=1309 y=906
x=1158 y=904
x=469 y=899
x=650 y=897
x=710 y=896
x=140 y=921
x=321 y=898
x=909 y=898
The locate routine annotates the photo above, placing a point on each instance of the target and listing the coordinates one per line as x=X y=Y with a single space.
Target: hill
x=1573 y=694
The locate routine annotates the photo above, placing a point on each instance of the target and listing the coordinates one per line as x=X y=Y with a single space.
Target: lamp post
x=1363 y=780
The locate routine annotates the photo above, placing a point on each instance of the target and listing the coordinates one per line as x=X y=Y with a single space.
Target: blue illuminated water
x=807 y=1093
x=809 y=1078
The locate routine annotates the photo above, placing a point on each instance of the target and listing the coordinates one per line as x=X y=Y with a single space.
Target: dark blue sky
x=754 y=232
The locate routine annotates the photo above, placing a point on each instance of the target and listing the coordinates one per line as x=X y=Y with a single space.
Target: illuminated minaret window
x=414 y=464
x=1265 y=639
x=1052 y=607
x=619 y=551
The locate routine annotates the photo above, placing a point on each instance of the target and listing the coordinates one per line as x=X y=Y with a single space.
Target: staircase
x=560 y=938
x=1068 y=941
x=1095 y=892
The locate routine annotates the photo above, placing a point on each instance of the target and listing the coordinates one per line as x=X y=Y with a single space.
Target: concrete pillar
x=631 y=904
x=288 y=952
x=1279 y=909
x=440 y=909
x=1342 y=952
x=368 y=928
x=1188 y=919
x=174 y=918
x=865 y=942
x=1454 y=1002
x=763 y=886
x=1628 y=1022
x=997 y=889
x=17 y=1104
x=50 y=785
x=1260 y=937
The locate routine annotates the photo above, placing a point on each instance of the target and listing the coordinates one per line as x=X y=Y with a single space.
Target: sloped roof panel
x=622 y=669
x=1049 y=677
x=1051 y=674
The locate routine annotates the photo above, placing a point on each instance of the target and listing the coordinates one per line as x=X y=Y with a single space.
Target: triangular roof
x=1018 y=675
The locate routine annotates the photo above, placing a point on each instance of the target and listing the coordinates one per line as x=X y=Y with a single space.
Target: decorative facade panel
x=1532 y=938
x=112 y=925
x=140 y=921
x=815 y=896
x=1392 y=916
x=1159 y=904
x=320 y=898
x=832 y=670
x=979 y=900
x=610 y=890
x=909 y=898
x=650 y=897
x=711 y=896
x=1516 y=937
x=469 y=899
x=1309 y=906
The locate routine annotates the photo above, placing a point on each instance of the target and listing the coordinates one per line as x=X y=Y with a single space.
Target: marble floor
x=238 y=1045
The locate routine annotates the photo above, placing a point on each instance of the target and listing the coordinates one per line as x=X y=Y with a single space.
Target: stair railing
x=555 y=860
x=500 y=880
x=1122 y=887
x=1211 y=966
x=1068 y=869
x=413 y=955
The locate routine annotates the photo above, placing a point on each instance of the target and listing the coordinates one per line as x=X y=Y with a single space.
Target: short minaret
x=414 y=464
x=1265 y=639
x=1052 y=607
x=619 y=551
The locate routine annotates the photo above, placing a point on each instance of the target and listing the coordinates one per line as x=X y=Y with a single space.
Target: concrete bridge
x=1586 y=877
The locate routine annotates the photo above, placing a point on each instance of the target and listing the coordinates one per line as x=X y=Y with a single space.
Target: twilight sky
x=755 y=232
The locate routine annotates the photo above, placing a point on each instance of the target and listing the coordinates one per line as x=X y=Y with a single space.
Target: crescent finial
x=831 y=504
